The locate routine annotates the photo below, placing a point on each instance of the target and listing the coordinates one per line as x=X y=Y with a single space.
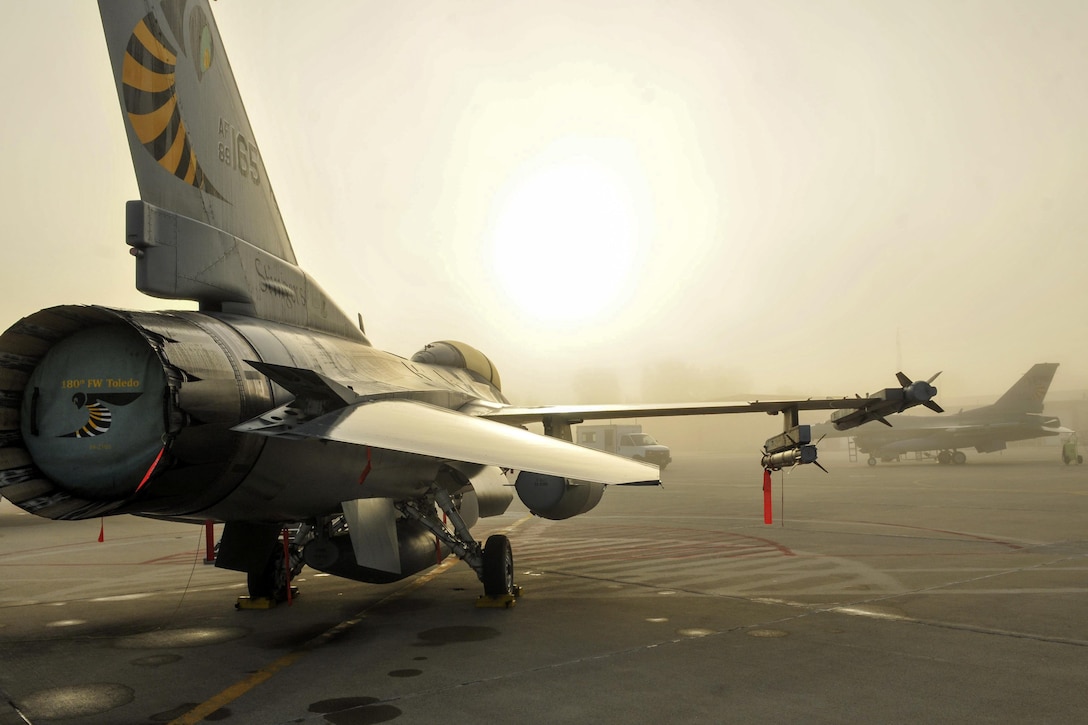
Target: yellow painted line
x=232 y=693
x=236 y=690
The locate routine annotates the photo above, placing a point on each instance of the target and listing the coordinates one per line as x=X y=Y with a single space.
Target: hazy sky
x=784 y=197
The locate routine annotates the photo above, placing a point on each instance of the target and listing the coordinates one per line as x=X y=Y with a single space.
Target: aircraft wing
x=854 y=411
x=423 y=429
x=536 y=414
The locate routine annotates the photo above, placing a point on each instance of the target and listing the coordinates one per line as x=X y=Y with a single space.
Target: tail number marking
x=237 y=152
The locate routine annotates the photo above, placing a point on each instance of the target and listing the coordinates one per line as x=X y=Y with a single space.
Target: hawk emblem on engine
x=99 y=418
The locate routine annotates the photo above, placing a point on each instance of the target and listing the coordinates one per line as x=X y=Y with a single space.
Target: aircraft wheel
x=872 y=461
x=959 y=458
x=498 y=575
x=944 y=457
x=1080 y=460
x=270 y=582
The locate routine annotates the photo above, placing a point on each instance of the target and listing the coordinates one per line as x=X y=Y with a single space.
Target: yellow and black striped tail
x=151 y=102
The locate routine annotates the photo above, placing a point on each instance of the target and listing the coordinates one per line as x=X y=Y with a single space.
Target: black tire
x=959 y=458
x=1080 y=460
x=498 y=573
x=872 y=461
x=944 y=457
x=271 y=581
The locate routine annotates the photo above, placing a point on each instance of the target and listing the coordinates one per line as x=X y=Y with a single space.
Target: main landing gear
x=943 y=457
x=493 y=562
x=956 y=457
x=498 y=568
x=271 y=584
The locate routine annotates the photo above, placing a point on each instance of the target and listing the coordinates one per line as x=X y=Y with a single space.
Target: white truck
x=625 y=440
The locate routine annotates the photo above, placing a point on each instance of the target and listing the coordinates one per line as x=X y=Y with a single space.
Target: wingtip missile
x=918 y=392
x=890 y=401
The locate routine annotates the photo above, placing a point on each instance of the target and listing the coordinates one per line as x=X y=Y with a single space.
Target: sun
x=566 y=237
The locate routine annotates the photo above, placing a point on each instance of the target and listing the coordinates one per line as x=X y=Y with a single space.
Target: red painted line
x=366 y=471
x=150 y=470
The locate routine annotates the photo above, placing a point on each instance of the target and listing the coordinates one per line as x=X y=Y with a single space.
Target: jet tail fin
x=207 y=227
x=1028 y=392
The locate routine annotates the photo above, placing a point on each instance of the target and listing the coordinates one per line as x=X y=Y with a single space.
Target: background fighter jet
x=1017 y=415
x=268 y=406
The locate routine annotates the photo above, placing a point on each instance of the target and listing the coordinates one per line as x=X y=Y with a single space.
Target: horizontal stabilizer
x=307 y=384
x=415 y=427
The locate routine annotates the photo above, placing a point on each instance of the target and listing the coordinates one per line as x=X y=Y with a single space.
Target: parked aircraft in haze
x=1017 y=415
x=268 y=407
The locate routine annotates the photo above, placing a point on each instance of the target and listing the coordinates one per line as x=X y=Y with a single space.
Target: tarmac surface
x=908 y=592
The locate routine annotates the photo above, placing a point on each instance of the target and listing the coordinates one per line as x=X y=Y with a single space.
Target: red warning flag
x=767 y=515
x=102 y=532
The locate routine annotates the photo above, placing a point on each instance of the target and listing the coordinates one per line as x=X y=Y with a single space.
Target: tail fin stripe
x=186 y=166
x=149 y=34
x=171 y=160
x=190 y=173
x=186 y=162
x=150 y=126
x=161 y=145
x=144 y=57
x=144 y=102
x=142 y=78
x=150 y=98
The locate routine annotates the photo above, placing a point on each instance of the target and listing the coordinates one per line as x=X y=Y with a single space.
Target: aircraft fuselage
x=131 y=412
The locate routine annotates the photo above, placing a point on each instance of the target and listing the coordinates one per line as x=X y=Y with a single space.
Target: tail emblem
x=100 y=417
x=152 y=103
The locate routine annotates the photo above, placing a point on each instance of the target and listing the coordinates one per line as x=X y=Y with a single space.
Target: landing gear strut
x=957 y=457
x=493 y=562
x=271 y=584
